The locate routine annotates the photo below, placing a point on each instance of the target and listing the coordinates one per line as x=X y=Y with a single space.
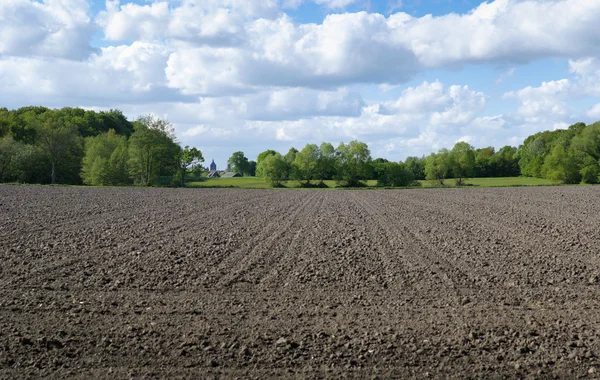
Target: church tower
x=213 y=166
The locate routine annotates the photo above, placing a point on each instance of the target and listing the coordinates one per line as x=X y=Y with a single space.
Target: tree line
x=76 y=146
x=351 y=164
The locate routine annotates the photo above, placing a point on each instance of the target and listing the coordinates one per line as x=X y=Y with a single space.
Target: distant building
x=213 y=174
x=228 y=166
x=231 y=175
x=213 y=166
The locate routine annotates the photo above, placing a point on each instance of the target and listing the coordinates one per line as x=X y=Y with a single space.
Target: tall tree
x=9 y=151
x=462 y=158
x=437 y=166
x=353 y=163
x=189 y=157
x=100 y=164
x=274 y=169
x=152 y=151
x=55 y=135
x=588 y=141
x=325 y=163
x=260 y=159
x=417 y=166
x=239 y=163
x=305 y=163
x=559 y=167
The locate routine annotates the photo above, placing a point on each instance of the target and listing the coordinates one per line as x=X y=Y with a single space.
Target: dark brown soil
x=190 y=283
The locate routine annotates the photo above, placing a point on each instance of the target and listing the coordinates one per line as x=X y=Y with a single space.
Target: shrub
x=590 y=174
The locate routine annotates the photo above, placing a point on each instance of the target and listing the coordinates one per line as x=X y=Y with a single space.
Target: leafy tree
x=462 y=161
x=289 y=158
x=55 y=136
x=379 y=167
x=353 y=164
x=484 y=166
x=588 y=141
x=306 y=164
x=239 y=163
x=260 y=159
x=152 y=151
x=252 y=168
x=9 y=151
x=437 y=166
x=100 y=167
x=506 y=162
x=325 y=163
x=559 y=167
x=188 y=157
x=274 y=169
x=417 y=166
x=396 y=175
x=4 y=124
x=590 y=174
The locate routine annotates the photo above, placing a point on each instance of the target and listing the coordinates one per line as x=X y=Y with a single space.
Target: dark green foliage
x=353 y=164
x=562 y=155
x=239 y=163
x=462 y=162
x=503 y=163
x=395 y=175
x=590 y=174
x=252 y=168
x=260 y=159
x=560 y=167
x=438 y=167
x=417 y=166
x=188 y=158
x=379 y=166
x=274 y=168
x=152 y=151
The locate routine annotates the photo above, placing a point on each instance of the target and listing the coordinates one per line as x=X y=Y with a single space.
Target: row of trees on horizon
x=76 y=146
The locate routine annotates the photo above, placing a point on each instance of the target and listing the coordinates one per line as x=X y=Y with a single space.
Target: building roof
x=213 y=174
x=230 y=175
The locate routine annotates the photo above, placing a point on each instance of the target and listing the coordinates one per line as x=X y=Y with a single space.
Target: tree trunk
x=53 y=173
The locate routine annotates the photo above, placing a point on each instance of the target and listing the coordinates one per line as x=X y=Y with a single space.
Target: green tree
x=379 y=167
x=396 y=175
x=417 y=166
x=325 y=163
x=260 y=159
x=505 y=162
x=188 y=158
x=289 y=159
x=239 y=163
x=152 y=151
x=588 y=141
x=306 y=163
x=9 y=153
x=55 y=136
x=274 y=169
x=101 y=165
x=590 y=174
x=437 y=166
x=252 y=168
x=559 y=167
x=353 y=164
x=462 y=161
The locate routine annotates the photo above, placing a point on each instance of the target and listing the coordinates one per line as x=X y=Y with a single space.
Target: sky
x=408 y=77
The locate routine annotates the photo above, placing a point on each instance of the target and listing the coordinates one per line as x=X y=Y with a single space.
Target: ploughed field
x=461 y=283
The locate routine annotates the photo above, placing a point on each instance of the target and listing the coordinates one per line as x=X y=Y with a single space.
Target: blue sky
x=408 y=77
